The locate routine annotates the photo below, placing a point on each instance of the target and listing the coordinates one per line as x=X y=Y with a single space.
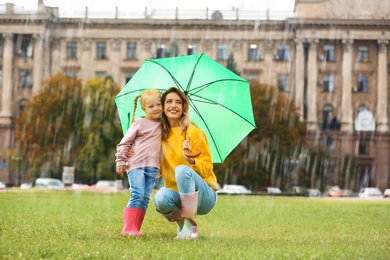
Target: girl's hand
x=131 y=153
x=121 y=170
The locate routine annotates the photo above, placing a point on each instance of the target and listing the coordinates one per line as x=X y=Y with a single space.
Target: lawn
x=87 y=225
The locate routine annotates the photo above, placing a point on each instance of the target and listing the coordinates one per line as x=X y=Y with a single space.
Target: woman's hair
x=145 y=95
x=185 y=118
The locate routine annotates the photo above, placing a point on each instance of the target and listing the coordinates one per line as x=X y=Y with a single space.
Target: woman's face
x=173 y=106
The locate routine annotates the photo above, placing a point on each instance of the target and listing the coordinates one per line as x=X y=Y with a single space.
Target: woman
x=189 y=183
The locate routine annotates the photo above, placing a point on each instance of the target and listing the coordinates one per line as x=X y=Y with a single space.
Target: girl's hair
x=185 y=118
x=146 y=94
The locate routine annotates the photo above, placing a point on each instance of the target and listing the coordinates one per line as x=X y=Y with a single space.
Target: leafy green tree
x=173 y=49
x=264 y=157
x=231 y=64
x=45 y=125
x=99 y=131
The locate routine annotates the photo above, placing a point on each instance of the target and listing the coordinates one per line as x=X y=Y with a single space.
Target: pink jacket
x=144 y=137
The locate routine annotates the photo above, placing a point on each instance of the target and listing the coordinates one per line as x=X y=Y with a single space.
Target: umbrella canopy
x=220 y=101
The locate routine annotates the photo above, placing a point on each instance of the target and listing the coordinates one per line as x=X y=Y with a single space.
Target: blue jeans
x=141 y=182
x=188 y=181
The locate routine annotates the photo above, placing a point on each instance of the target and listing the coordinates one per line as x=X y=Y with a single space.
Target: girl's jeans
x=188 y=181
x=141 y=182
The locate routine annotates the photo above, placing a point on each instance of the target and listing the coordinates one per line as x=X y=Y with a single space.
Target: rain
x=283 y=48
x=317 y=73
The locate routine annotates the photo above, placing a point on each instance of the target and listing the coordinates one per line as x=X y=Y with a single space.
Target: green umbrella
x=220 y=101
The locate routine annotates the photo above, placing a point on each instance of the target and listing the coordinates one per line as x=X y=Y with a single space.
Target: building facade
x=331 y=56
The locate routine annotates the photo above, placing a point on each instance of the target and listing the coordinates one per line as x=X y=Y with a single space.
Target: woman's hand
x=187 y=148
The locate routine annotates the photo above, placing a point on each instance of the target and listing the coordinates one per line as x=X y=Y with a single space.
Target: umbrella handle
x=187 y=153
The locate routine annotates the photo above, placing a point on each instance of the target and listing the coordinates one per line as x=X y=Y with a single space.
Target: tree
x=45 y=125
x=66 y=124
x=173 y=49
x=99 y=132
x=264 y=157
x=231 y=64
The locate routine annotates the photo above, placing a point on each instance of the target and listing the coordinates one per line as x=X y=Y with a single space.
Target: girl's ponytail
x=135 y=108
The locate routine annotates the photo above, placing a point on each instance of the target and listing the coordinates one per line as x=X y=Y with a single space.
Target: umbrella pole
x=188 y=154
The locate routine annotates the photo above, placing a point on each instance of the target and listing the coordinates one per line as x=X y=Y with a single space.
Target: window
x=222 y=52
x=101 y=50
x=252 y=76
x=161 y=50
x=100 y=74
x=192 y=48
x=364 y=146
x=22 y=105
x=24 y=45
x=283 y=82
x=327 y=114
x=283 y=52
x=328 y=53
x=129 y=75
x=362 y=84
x=329 y=143
x=1 y=47
x=71 y=50
x=362 y=108
x=25 y=79
x=253 y=52
x=71 y=74
x=363 y=54
x=328 y=83
x=131 y=50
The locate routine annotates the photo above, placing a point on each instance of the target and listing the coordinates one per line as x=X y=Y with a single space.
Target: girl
x=143 y=136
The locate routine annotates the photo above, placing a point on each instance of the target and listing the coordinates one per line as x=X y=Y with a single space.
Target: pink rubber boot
x=189 y=208
x=141 y=217
x=130 y=221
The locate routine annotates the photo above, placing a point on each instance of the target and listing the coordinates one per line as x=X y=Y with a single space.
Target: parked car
x=79 y=186
x=49 y=183
x=299 y=191
x=234 y=189
x=26 y=185
x=274 y=190
x=314 y=193
x=105 y=185
x=386 y=193
x=334 y=191
x=2 y=185
x=268 y=190
x=370 y=192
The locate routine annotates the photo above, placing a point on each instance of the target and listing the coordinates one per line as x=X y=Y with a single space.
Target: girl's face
x=153 y=108
x=173 y=107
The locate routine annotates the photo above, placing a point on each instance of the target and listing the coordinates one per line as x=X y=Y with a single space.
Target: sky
x=96 y=5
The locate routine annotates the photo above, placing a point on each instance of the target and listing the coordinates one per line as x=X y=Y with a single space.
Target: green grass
x=87 y=225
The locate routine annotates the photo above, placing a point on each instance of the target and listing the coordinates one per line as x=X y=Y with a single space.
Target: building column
x=381 y=108
x=299 y=75
x=6 y=91
x=38 y=63
x=55 y=66
x=312 y=120
x=346 y=99
x=115 y=59
x=147 y=48
x=86 y=58
x=268 y=64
